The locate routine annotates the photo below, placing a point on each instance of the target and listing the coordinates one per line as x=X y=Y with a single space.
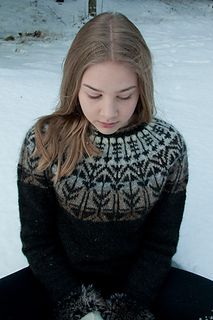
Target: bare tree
x=92 y=7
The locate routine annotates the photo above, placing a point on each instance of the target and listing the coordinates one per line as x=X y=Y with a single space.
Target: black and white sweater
x=103 y=237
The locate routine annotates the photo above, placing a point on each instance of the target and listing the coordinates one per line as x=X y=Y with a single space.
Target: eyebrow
x=95 y=89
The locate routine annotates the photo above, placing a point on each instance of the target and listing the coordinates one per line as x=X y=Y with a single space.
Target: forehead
x=109 y=74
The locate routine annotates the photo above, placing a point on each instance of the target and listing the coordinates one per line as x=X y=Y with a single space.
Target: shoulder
x=26 y=157
x=29 y=140
x=163 y=127
x=166 y=134
x=28 y=145
x=28 y=164
x=165 y=144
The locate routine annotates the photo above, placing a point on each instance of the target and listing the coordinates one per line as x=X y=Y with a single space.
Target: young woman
x=102 y=186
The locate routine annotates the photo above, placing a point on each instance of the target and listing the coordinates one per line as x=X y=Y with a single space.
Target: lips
x=108 y=124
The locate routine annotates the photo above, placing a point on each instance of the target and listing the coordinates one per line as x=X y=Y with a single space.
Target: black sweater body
x=114 y=222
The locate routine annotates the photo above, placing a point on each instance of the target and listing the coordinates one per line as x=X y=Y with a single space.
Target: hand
x=92 y=316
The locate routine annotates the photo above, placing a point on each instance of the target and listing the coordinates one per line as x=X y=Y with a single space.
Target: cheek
x=83 y=101
x=86 y=105
x=129 y=110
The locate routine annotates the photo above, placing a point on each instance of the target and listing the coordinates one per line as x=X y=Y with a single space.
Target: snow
x=180 y=36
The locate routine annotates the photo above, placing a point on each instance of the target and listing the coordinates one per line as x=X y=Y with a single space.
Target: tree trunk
x=92 y=8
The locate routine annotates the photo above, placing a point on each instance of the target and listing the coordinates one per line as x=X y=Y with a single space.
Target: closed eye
x=124 y=98
x=94 y=97
x=118 y=97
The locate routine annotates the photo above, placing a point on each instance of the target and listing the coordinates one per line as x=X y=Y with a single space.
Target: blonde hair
x=62 y=137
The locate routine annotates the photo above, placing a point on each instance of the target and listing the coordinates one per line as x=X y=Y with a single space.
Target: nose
x=108 y=109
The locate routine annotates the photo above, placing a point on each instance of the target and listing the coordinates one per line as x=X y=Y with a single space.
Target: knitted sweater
x=103 y=237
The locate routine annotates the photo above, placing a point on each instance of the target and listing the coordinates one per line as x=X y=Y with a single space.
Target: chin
x=108 y=130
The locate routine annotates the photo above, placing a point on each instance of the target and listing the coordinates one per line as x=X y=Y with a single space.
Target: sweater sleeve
x=161 y=234
x=159 y=242
x=40 y=243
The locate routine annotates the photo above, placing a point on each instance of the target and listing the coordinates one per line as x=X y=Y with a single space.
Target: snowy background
x=180 y=36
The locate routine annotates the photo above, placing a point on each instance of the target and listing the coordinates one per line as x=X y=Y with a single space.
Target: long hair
x=62 y=137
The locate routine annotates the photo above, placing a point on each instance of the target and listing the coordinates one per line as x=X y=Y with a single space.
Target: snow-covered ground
x=180 y=36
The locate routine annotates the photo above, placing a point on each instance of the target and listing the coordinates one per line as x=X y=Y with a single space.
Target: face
x=108 y=95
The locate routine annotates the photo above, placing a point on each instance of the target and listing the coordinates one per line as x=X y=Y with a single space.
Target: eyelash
x=97 y=97
x=126 y=98
x=93 y=97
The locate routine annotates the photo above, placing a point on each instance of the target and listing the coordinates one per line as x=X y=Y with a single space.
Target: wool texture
x=113 y=223
x=120 y=307
x=207 y=317
x=78 y=304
